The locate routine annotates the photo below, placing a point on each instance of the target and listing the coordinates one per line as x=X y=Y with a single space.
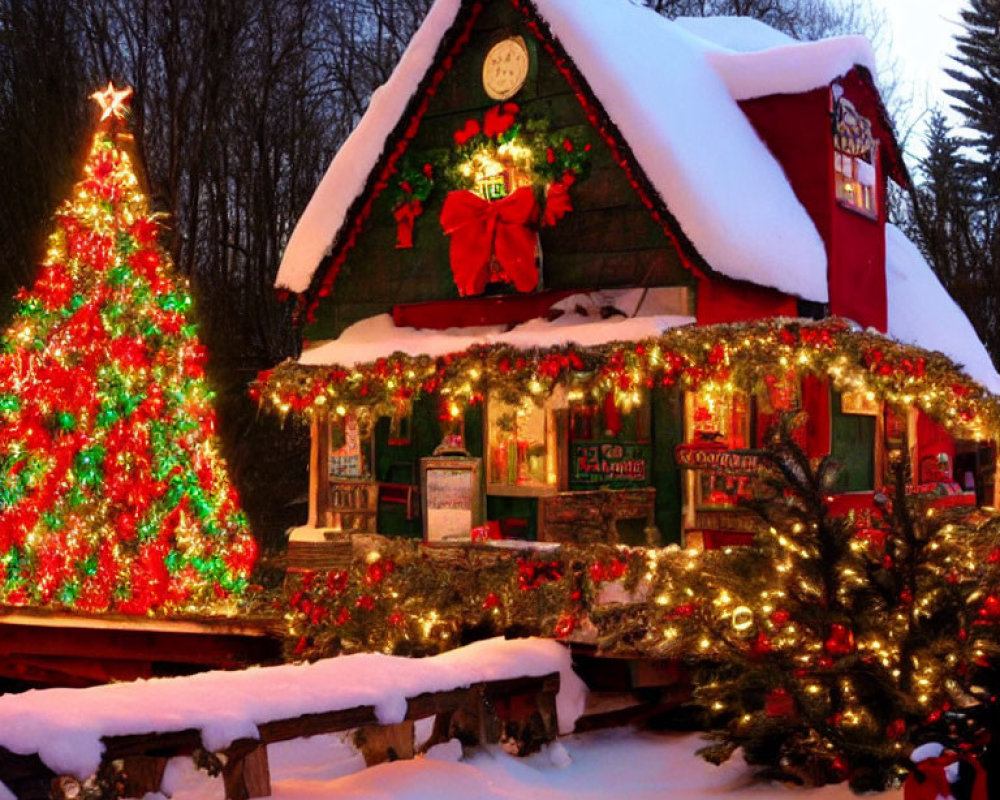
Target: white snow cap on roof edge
x=736 y=34
x=921 y=312
x=793 y=69
x=671 y=88
x=347 y=174
x=755 y=60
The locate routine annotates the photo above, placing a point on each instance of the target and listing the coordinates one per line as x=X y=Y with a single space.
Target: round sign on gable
x=505 y=69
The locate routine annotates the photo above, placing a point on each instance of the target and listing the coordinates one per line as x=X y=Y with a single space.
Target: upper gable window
x=855 y=159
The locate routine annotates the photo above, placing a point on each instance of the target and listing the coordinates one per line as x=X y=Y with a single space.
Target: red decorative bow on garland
x=406 y=215
x=480 y=230
x=557 y=202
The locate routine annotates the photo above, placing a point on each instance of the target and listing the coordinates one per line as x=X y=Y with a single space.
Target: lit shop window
x=521 y=445
x=855 y=159
x=719 y=420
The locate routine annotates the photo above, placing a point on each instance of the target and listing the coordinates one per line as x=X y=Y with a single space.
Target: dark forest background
x=240 y=104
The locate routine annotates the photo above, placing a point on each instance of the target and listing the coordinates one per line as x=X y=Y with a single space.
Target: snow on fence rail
x=49 y=733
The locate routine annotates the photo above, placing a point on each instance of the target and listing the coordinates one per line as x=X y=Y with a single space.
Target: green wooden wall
x=852 y=443
x=668 y=432
x=609 y=240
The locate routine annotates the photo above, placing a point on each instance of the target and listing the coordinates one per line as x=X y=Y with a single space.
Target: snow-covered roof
x=580 y=323
x=755 y=60
x=737 y=34
x=921 y=312
x=671 y=89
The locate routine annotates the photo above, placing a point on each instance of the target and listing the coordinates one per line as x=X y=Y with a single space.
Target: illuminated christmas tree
x=832 y=646
x=113 y=495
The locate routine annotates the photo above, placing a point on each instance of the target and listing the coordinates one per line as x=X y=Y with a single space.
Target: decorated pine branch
x=113 y=495
x=828 y=644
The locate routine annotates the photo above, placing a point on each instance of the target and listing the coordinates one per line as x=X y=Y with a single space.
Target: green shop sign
x=620 y=464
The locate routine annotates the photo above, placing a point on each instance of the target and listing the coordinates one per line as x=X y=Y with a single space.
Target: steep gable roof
x=669 y=100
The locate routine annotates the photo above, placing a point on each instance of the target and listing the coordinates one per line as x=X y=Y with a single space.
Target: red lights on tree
x=112 y=493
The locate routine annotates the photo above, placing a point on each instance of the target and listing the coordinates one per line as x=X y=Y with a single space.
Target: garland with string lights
x=113 y=495
x=722 y=357
x=399 y=597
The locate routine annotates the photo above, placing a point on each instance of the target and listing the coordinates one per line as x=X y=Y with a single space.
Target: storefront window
x=855 y=160
x=720 y=418
x=781 y=396
x=720 y=421
x=347 y=457
x=520 y=451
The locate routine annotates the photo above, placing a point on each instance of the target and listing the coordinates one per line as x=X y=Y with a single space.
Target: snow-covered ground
x=620 y=763
x=65 y=726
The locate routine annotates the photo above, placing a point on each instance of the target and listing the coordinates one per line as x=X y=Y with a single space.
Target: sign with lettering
x=616 y=464
x=718 y=459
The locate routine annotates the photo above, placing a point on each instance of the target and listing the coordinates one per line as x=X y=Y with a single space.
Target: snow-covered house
x=565 y=174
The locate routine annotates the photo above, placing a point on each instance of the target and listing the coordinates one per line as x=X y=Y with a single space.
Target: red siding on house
x=857 y=262
x=723 y=300
x=797 y=130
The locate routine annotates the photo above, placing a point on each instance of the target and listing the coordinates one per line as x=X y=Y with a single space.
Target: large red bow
x=479 y=230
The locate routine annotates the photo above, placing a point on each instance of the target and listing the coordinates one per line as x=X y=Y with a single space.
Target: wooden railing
x=522 y=710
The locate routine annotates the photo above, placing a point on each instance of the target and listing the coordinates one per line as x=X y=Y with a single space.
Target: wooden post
x=689 y=517
x=880 y=455
x=246 y=773
x=996 y=475
x=549 y=714
x=319 y=483
x=385 y=742
x=912 y=445
x=143 y=774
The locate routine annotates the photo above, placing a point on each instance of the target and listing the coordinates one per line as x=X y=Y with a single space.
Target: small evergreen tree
x=947 y=224
x=979 y=98
x=822 y=649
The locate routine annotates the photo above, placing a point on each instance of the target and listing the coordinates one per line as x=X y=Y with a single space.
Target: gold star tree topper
x=113 y=102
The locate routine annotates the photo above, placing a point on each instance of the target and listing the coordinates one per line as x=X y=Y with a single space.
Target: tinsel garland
x=725 y=357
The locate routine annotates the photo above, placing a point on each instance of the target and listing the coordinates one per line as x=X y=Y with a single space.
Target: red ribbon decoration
x=557 y=202
x=405 y=215
x=479 y=230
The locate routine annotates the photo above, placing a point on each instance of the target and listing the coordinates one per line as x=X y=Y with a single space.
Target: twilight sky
x=922 y=32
